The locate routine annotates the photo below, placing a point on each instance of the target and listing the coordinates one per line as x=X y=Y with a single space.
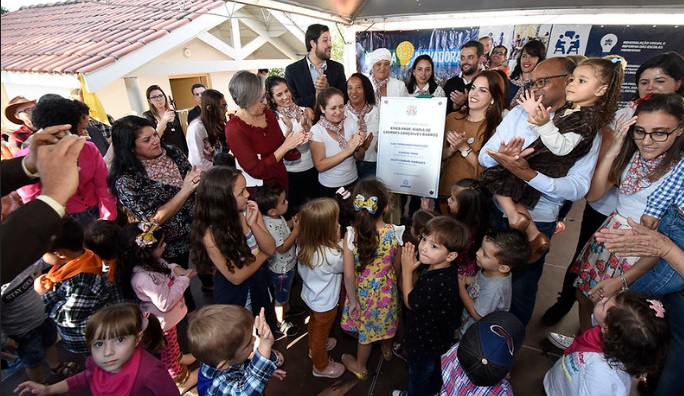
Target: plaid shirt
x=71 y=303
x=671 y=191
x=456 y=382
x=246 y=379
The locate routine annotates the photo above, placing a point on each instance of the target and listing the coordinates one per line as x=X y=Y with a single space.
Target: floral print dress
x=376 y=289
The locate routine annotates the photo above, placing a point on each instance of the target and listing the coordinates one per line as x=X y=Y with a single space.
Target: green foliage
x=278 y=71
x=337 y=51
x=3 y=10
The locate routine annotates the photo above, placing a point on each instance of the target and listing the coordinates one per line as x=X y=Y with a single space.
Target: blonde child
x=221 y=338
x=321 y=266
x=592 y=94
x=119 y=338
x=630 y=338
x=159 y=286
x=372 y=254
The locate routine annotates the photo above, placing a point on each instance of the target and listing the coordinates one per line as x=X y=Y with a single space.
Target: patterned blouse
x=144 y=194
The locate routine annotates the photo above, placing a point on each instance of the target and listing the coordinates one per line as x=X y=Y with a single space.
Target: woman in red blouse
x=254 y=136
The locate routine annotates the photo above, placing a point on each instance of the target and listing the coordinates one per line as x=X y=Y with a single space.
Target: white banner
x=410 y=144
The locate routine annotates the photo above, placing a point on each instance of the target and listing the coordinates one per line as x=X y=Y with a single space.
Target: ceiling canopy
x=357 y=11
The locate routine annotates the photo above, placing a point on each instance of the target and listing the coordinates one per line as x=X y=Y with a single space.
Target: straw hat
x=11 y=109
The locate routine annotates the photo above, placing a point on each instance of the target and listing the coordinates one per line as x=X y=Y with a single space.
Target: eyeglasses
x=28 y=111
x=640 y=134
x=541 y=82
x=156 y=97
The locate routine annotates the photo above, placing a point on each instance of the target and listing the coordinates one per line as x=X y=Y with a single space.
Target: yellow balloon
x=405 y=52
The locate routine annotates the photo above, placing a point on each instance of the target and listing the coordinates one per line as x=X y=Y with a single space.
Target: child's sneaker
x=560 y=341
x=329 y=345
x=287 y=329
x=334 y=370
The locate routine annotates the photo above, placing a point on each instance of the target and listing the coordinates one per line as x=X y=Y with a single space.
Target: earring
x=492 y=102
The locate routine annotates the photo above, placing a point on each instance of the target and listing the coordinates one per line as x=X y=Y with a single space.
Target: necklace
x=336 y=130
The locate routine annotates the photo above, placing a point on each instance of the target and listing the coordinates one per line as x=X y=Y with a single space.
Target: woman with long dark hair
x=422 y=80
x=205 y=135
x=155 y=182
x=531 y=54
x=468 y=130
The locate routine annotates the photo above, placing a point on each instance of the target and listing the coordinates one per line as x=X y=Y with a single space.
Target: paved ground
x=532 y=361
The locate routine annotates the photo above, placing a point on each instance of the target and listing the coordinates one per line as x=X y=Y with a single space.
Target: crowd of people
x=100 y=242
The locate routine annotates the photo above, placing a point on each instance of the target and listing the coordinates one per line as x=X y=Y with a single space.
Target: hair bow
x=343 y=193
x=616 y=60
x=657 y=307
x=146 y=237
x=370 y=204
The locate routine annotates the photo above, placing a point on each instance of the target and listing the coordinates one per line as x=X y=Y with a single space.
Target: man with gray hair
x=309 y=76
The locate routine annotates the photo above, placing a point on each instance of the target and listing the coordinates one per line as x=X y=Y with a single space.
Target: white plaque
x=410 y=144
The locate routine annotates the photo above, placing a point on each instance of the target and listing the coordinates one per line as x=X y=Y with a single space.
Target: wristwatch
x=464 y=153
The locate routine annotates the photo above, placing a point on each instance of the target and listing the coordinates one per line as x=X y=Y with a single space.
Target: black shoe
x=287 y=329
x=295 y=310
x=556 y=312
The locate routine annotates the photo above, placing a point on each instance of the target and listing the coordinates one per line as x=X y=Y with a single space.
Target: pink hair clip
x=657 y=306
x=343 y=193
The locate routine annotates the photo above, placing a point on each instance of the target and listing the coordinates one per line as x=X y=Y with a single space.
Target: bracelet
x=624 y=282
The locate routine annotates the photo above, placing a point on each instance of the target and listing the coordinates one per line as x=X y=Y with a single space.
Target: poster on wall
x=410 y=144
x=567 y=40
x=636 y=44
x=443 y=46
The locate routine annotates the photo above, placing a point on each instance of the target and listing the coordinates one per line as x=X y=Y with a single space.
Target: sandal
x=347 y=360
x=386 y=352
x=65 y=369
x=280 y=359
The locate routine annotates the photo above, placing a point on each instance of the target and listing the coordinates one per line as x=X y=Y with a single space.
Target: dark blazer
x=28 y=231
x=301 y=85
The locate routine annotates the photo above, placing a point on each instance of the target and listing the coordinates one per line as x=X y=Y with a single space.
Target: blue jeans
x=663 y=279
x=525 y=277
x=425 y=377
x=670 y=381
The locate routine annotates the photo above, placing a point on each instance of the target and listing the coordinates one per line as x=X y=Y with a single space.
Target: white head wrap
x=378 y=55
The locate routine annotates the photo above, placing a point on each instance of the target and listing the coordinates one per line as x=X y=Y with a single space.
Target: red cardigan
x=246 y=142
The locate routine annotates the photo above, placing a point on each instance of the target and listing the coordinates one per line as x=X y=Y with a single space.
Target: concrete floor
x=532 y=362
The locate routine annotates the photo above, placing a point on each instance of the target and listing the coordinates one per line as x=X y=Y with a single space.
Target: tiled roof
x=84 y=36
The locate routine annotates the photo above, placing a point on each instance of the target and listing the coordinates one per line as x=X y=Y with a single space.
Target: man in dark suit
x=309 y=76
x=457 y=87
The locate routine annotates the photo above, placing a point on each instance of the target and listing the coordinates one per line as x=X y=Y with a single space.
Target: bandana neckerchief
x=361 y=115
x=637 y=174
x=335 y=129
x=293 y=112
x=378 y=86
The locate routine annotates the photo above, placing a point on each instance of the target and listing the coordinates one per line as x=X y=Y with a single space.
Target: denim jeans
x=670 y=381
x=425 y=377
x=525 y=277
x=663 y=279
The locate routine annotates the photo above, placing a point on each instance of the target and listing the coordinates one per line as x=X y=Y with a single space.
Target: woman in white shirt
x=362 y=110
x=205 y=135
x=422 y=80
x=302 y=175
x=335 y=143
x=384 y=85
